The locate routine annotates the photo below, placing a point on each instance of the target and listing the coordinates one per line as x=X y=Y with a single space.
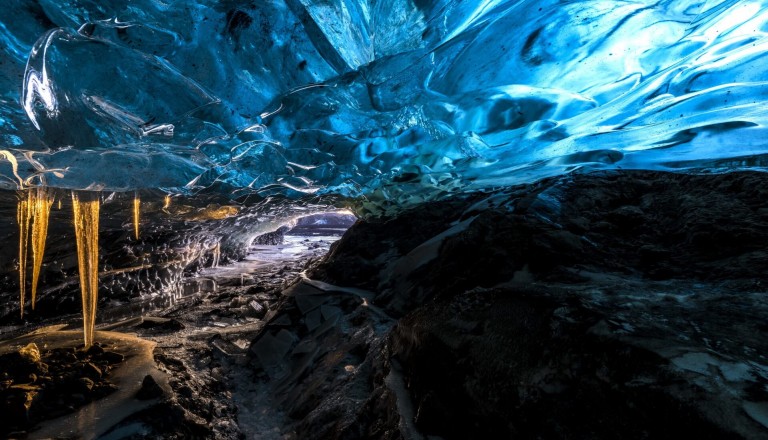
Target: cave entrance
x=300 y=240
x=326 y=223
x=323 y=226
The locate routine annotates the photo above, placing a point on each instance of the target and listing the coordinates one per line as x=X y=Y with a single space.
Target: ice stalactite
x=85 y=208
x=136 y=215
x=32 y=213
x=41 y=200
x=216 y=255
x=23 y=218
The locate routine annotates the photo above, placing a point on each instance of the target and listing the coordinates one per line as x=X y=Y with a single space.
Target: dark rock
x=18 y=367
x=521 y=379
x=103 y=389
x=167 y=420
x=48 y=384
x=539 y=315
x=149 y=389
x=91 y=371
x=15 y=407
x=83 y=385
x=256 y=310
x=162 y=324
x=77 y=399
x=185 y=391
x=95 y=350
x=111 y=357
x=271 y=238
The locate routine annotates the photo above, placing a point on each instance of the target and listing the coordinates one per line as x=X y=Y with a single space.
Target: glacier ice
x=392 y=102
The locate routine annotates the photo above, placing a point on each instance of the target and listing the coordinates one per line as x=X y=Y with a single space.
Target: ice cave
x=383 y=219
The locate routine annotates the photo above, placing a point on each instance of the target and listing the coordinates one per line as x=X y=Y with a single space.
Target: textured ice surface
x=398 y=101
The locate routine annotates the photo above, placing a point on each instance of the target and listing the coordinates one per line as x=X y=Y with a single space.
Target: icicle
x=23 y=217
x=86 y=216
x=216 y=255
x=42 y=202
x=136 y=214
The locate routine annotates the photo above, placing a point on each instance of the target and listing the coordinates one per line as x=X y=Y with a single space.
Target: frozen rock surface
x=617 y=305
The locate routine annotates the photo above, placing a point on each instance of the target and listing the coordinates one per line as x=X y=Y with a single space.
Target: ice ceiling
x=394 y=100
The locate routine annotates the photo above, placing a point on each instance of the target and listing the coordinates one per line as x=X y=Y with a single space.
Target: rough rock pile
x=611 y=305
x=39 y=385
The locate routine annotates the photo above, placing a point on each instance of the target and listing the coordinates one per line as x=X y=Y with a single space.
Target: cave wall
x=588 y=306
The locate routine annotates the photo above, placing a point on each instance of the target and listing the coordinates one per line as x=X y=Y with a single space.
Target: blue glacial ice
x=393 y=101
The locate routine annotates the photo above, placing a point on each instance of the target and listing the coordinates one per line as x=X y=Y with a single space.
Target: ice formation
x=24 y=212
x=85 y=208
x=32 y=213
x=391 y=102
x=136 y=215
x=41 y=201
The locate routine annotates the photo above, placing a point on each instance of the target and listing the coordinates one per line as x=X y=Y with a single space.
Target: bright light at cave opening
x=322 y=223
x=325 y=227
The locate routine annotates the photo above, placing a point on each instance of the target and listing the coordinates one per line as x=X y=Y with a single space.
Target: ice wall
x=388 y=101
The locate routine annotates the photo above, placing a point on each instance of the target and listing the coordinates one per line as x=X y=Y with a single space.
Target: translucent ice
x=392 y=102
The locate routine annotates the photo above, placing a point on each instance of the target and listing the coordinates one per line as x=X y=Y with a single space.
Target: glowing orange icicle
x=41 y=201
x=23 y=217
x=86 y=216
x=216 y=255
x=136 y=213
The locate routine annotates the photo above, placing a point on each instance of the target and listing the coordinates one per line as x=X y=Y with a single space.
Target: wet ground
x=194 y=344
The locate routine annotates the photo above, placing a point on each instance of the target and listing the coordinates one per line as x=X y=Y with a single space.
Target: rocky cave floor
x=201 y=344
x=625 y=305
